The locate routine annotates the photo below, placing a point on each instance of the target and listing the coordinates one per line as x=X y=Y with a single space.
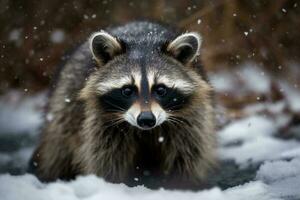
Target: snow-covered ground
x=259 y=148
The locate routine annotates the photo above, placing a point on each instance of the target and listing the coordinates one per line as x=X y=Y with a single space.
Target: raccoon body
x=131 y=105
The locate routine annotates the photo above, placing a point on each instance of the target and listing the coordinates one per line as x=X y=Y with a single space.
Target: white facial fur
x=132 y=114
x=159 y=114
x=110 y=84
x=180 y=84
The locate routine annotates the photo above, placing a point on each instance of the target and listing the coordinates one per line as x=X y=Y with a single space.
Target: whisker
x=116 y=106
x=112 y=119
x=174 y=121
x=113 y=110
x=172 y=107
x=112 y=122
x=179 y=121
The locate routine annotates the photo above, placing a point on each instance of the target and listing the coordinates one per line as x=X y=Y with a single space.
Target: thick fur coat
x=80 y=135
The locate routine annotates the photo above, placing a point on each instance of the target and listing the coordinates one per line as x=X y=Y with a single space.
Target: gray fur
x=76 y=141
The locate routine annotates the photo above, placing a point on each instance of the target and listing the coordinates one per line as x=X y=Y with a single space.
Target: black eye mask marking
x=119 y=100
x=171 y=100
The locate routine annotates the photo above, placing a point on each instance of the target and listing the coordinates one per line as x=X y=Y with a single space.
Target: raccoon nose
x=146 y=120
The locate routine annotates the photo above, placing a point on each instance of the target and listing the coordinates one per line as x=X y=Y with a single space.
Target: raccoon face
x=142 y=88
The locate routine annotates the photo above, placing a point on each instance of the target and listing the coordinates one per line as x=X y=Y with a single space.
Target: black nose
x=146 y=120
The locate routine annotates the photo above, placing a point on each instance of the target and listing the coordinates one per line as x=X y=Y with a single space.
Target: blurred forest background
x=35 y=34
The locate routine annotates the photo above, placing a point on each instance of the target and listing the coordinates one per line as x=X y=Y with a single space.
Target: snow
x=258 y=144
x=21 y=110
x=282 y=176
x=257 y=150
x=253 y=75
x=250 y=142
x=254 y=79
x=57 y=36
x=293 y=95
x=223 y=81
x=275 y=108
x=272 y=171
x=16 y=36
x=295 y=152
x=247 y=129
x=161 y=139
x=249 y=191
x=92 y=188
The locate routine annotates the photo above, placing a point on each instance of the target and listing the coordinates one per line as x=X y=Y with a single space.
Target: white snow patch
x=251 y=140
x=287 y=188
x=291 y=153
x=222 y=81
x=20 y=114
x=249 y=75
x=92 y=188
x=247 y=129
x=277 y=170
x=257 y=150
x=282 y=176
x=249 y=191
x=275 y=108
x=255 y=79
x=280 y=118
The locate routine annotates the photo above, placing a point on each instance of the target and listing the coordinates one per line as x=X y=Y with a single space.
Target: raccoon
x=131 y=105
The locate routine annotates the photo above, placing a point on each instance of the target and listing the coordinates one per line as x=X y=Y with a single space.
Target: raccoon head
x=143 y=83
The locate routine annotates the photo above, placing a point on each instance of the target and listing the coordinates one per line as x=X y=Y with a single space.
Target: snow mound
x=282 y=176
x=27 y=187
x=251 y=140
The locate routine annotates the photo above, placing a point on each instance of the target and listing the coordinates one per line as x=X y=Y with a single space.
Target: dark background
x=34 y=34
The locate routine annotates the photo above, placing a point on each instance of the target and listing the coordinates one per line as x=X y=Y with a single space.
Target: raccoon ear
x=185 y=47
x=104 y=46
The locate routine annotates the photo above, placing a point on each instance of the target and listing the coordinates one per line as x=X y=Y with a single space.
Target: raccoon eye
x=161 y=90
x=128 y=91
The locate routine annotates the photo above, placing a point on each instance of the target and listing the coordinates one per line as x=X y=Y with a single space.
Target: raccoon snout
x=146 y=120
